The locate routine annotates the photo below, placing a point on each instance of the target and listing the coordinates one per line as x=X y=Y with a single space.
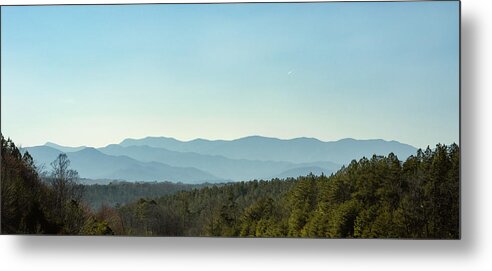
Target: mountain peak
x=255 y=137
x=63 y=148
x=89 y=150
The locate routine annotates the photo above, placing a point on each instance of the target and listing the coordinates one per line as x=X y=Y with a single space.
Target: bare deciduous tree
x=64 y=182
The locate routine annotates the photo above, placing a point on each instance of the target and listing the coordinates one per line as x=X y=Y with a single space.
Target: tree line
x=377 y=197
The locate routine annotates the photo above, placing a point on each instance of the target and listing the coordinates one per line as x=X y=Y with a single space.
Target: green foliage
x=215 y=211
x=94 y=227
x=263 y=219
x=302 y=200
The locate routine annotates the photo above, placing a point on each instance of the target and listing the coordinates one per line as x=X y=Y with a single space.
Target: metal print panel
x=312 y=120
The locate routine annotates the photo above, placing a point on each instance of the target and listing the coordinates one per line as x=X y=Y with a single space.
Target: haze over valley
x=213 y=161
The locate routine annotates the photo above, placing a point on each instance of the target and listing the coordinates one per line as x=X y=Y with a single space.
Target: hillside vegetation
x=379 y=197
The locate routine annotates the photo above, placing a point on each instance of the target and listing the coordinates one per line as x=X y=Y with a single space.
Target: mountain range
x=297 y=150
x=93 y=164
x=201 y=160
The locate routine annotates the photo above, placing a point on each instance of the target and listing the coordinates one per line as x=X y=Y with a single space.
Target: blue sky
x=94 y=75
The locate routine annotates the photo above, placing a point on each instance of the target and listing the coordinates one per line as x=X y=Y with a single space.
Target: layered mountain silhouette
x=93 y=164
x=63 y=148
x=297 y=150
x=226 y=168
x=200 y=160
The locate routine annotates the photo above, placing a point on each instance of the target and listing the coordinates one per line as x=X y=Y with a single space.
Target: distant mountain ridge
x=201 y=160
x=64 y=148
x=227 y=168
x=93 y=164
x=297 y=150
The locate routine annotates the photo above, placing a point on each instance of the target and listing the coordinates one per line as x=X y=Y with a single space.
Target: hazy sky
x=94 y=75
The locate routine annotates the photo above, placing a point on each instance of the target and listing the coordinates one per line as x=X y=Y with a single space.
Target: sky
x=95 y=75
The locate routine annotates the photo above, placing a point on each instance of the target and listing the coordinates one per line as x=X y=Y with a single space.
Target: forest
x=376 y=197
x=121 y=192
